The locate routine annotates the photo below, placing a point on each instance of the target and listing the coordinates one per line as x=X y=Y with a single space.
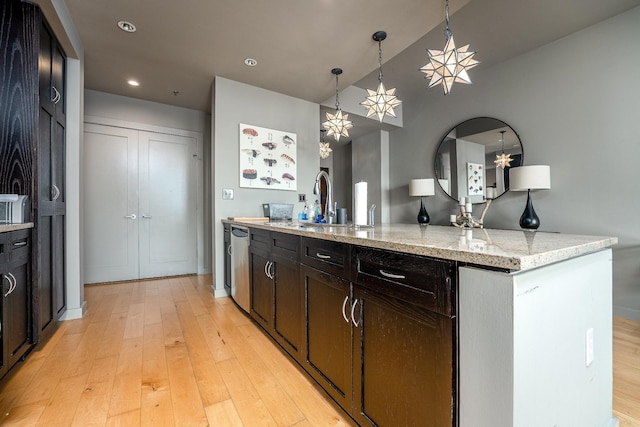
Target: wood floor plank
x=93 y=406
x=185 y=397
x=84 y=355
x=127 y=382
x=156 y=407
x=62 y=406
x=223 y=414
x=210 y=384
x=246 y=399
x=25 y=414
x=135 y=321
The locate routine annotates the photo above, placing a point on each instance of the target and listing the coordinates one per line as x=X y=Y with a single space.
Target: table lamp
x=422 y=187
x=535 y=177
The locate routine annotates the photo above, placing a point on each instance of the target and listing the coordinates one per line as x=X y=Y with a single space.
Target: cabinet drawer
x=259 y=239
x=20 y=245
x=424 y=282
x=332 y=257
x=4 y=247
x=287 y=245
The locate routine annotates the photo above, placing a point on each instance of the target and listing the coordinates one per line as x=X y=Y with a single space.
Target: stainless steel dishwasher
x=240 y=290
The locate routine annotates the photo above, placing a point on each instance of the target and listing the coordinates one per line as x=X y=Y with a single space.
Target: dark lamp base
x=529 y=220
x=423 y=216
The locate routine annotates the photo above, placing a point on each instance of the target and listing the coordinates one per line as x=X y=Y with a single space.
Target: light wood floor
x=165 y=352
x=162 y=352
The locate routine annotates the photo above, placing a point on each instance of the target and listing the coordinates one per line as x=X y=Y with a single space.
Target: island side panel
x=544 y=315
x=485 y=322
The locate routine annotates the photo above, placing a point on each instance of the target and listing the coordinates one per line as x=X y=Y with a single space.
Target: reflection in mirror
x=465 y=160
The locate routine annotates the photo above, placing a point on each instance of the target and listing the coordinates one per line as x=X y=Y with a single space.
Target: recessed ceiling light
x=127 y=26
x=133 y=83
x=250 y=62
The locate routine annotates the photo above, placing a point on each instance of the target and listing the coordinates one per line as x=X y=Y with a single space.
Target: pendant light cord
x=337 y=102
x=380 y=61
x=447 y=31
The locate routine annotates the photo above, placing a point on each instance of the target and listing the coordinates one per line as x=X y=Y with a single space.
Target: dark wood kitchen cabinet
x=15 y=301
x=378 y=327
x=32 y=147
x=276 y=292
x=404 y=342
x=50 y=205
x=227 y=258
x=328 y=355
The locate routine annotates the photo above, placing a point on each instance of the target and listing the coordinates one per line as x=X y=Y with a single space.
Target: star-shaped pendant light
x=503 y=160
x=337 y=124
x=381 y=101
x=325 y=150
x=450 y=65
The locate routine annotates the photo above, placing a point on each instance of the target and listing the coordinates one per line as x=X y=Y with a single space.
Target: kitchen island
x=527 y=318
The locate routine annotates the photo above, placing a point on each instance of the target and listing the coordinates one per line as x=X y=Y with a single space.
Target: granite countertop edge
x=5 y=228
x=514 y=250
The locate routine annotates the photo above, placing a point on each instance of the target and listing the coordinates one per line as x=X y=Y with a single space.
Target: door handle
x=12 y=283
x=344 y=305
x=132 y=216
x=146 y=216
x=353 y=319
x=56 y=192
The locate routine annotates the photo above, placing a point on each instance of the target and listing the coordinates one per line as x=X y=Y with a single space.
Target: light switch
x=227 y=194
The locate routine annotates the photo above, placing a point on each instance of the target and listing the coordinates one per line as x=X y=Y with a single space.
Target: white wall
x=575 y=105
x=235 y=103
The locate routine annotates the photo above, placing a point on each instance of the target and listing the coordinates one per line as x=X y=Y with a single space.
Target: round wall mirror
x=474 y=158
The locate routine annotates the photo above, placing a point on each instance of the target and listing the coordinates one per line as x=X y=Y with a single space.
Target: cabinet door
x=227 y=258
x=328 y=351
x=17 y=335
x=403 y=364
x=261 y=289
x=288 y=304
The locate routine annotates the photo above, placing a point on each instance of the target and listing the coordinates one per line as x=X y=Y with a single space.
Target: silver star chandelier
x=503 y=160
x=381 y=101
x=325 y=150
x=450 y=65
x=337 y=123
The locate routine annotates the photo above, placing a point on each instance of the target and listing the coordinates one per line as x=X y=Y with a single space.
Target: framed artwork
x=267 y=158
x=475 y=179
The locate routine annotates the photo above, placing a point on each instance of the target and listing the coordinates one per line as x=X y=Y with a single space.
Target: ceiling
x=180 y=46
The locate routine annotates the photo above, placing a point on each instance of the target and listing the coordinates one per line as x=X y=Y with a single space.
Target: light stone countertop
x=15 y=227
x=508 y=249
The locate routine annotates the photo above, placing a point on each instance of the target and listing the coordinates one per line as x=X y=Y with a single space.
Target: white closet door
x=110 y=203
x=168 y=221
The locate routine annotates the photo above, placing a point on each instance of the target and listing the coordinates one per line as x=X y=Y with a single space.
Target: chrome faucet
x=328 y=214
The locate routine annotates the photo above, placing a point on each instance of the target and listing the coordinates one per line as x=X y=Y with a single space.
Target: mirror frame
x=446 y=139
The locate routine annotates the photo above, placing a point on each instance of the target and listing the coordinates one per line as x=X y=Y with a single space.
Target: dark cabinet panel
x=261 y=288
x=288 y=303
x=403 y=364
x=15 y=299
x=328 y=354
x=227 y=258
x=18 y=84
x=50 y=207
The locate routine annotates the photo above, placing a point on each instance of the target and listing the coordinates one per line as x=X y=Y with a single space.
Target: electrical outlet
x=588 y=344
x=302 y=197
x=227 y=194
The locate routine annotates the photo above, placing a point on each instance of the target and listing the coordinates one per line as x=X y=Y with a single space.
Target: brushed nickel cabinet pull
x=353 y=319
x=321 y=256
x=391 y=275
x=344 y=305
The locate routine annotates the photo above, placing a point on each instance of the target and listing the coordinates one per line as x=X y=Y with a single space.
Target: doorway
x=140 y=207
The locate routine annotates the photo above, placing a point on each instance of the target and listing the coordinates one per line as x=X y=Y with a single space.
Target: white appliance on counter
x=14 y=209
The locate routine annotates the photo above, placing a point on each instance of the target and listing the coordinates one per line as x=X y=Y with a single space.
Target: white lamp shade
x=534 y=177
x=421 y=187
